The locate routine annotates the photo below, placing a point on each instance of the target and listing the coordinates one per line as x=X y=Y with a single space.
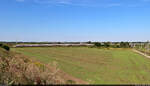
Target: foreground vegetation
x=6 y=47
x=17 y=69
x=98 y=66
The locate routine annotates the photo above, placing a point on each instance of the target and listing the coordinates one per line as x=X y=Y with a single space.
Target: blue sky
x=74 y=20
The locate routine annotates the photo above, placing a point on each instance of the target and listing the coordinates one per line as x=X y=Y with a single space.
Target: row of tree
x=114 y=45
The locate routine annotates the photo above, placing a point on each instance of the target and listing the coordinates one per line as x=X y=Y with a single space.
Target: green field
x=96 y=66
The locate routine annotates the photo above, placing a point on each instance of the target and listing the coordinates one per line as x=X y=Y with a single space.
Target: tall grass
x=16 y=69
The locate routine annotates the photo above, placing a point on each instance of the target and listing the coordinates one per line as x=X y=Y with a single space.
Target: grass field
x=96 y=66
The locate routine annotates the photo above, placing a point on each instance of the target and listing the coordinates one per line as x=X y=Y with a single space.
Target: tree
x=116 y=45
x=127 y=45
x=97 y=44
x=1 y=45
x=89 y=42
x=107 y=44
x=6 y=47
x=124 y=44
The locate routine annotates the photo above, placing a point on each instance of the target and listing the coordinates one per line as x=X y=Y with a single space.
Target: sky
x=74 y=20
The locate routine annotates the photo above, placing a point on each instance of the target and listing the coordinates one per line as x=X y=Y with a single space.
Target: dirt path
x=141 y=53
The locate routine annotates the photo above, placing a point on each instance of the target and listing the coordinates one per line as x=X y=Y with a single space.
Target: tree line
x=112 y=45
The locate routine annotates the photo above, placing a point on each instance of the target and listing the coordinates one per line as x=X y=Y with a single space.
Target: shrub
x=106 y=44
x=6 y=47
x=124 y=45
x=116 y=46
x=89 y=42
x=1 y=45
x=15 y=71
x=97 y=44
x=70 y=82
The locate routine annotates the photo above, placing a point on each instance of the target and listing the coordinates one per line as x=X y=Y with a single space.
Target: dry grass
x=16 y=69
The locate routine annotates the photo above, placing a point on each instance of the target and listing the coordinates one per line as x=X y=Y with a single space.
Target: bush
x=97 y=44
x=116 y=46
x=14 y=71
x=6 y=47
x=124 y=45
x=70 y=82
x=89 y=42
x=106 y=44
x=1 y=45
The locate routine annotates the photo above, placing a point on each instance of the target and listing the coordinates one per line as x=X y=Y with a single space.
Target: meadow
x=93 y=65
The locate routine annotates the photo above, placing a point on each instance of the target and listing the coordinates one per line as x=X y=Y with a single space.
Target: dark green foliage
x=6 y=47
x=106 y=44
x=59 y=42
x=97 y=44
x=112 y=45
x=115 y=46
x=1 y=45
x=89 y=42
x=124 y=45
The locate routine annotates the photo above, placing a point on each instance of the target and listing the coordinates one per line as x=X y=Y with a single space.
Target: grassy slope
x=102 y=66
x=17 y=69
